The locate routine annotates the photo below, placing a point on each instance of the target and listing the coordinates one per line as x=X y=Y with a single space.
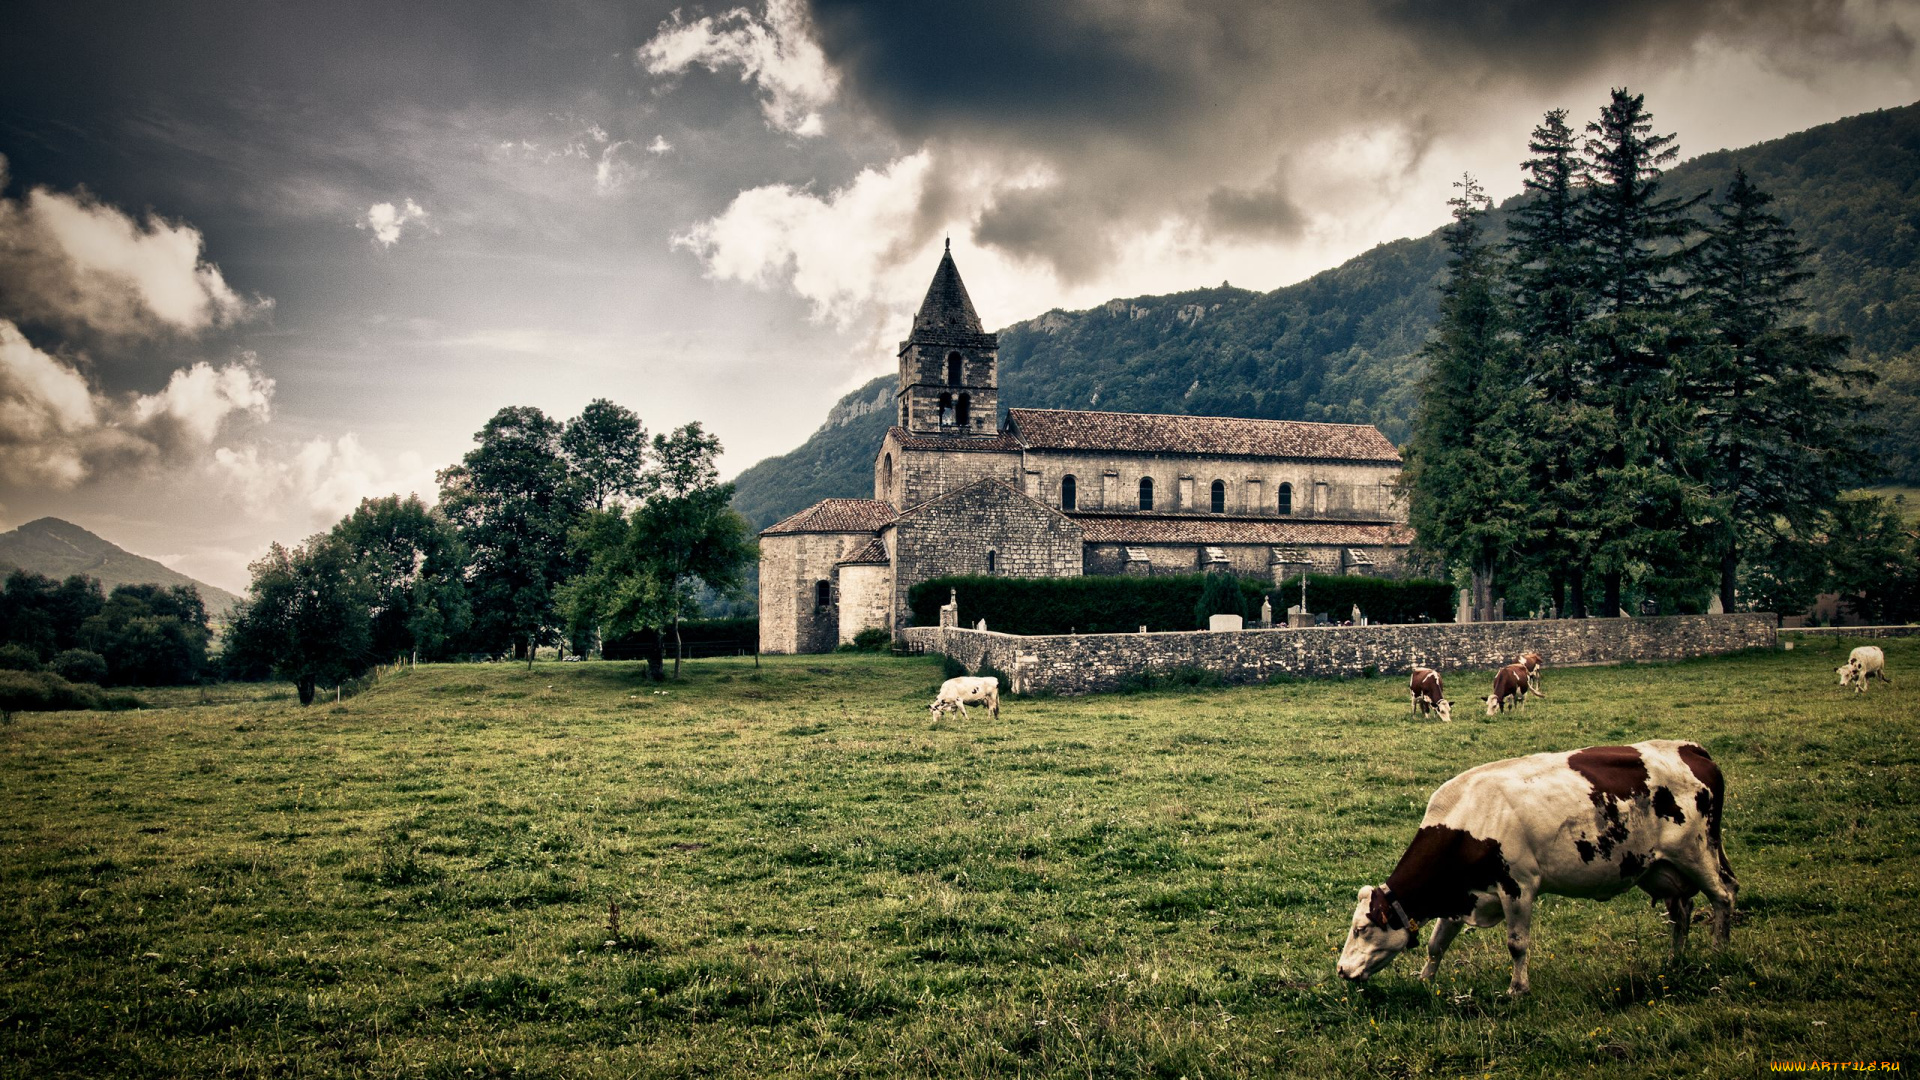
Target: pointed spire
x=947 y=310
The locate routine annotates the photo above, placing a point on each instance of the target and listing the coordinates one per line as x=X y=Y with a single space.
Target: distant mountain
x=1341 y=345
x=59 y=548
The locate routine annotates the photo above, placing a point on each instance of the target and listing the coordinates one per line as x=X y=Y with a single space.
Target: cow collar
x=1394 y=907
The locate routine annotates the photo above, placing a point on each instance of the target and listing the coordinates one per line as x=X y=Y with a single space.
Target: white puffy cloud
x=836 y=249
x=776 y=51
x=610 y=173
x=328 y=477
x=385 y=220
x=70 y=261
x=57 y=431
x=659 y=145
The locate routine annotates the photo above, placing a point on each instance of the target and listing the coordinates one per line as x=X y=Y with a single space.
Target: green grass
x=815 y=878
x=1908 y=499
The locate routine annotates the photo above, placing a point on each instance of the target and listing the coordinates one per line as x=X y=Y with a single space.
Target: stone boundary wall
x=1853 y=631
x=1083 y=663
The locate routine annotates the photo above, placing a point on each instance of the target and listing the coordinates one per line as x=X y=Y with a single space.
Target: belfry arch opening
x=953 y=369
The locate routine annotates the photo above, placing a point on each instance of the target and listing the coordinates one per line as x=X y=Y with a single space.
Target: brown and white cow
x=1424 y=689
x=1509 y=688
x=1533 y=663
x=1588 y=823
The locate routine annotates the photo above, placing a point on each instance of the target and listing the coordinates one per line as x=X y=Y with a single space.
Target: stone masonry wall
x=954 y=535
x=864 y=599
x=1352 y=490
x=929 y=474
x=1077 y=664
x=791 y=566
x=1855 y=631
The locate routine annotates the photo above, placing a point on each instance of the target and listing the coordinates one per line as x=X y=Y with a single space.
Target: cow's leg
x=993 y=706
x=962 y=706
x=1680 y=918
x=1444 y=931
x=1519 y=916
x=1720 y=891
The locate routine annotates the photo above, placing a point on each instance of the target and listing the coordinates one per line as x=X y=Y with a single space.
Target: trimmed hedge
x=1381 y=600
x=1089 y=605
x=1118 y=605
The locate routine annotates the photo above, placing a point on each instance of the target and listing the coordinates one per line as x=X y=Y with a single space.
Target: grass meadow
x=812 y=877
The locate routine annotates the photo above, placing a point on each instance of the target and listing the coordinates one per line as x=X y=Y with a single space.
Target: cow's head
x=1445 y=709
x=1846 y=672
x=1380 y=932
x=939 y=707
x=1493 y=704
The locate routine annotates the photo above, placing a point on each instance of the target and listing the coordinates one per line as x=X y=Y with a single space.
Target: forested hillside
x=1341 y=345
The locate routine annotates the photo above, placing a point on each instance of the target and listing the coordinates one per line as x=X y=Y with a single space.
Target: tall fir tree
x=1781 y=432
x=1465 y=473
x=1636 y=336
x=1550 y=283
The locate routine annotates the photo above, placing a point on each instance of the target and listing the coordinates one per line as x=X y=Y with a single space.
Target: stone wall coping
x=1258 y=630
x=1886 y=630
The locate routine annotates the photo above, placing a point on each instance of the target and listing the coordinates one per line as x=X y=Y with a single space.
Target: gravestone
x=1266 y=613
x=1463 y=609
x=1225 y=622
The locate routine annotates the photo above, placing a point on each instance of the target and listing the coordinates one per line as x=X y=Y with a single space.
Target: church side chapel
x=1060 y=493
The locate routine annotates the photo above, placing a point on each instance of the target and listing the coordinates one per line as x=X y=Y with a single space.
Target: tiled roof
x=946 y=316
x=1060 y=429
x=875 y=553
x=1180 y=529
x=1001 y=443
x=836 y=516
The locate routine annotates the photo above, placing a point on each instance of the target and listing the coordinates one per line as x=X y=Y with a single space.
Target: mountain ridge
x=1343 y=344
x=59 y=548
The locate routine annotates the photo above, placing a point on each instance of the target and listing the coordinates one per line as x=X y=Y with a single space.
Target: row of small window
x=1070 y=495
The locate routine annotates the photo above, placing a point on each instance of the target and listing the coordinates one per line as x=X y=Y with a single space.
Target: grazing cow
x=1509 y=688
x=1589 y=823
x=1865 y=663
x=968 y=690
x=1533 y=664
x=1424 y=688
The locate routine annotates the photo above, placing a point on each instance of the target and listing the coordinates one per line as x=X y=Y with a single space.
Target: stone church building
x=1057 y=493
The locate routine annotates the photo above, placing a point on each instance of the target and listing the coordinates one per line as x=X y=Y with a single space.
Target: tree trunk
x=1577 y=592
x=656 y=662
x=529 y=652
x=678 y=649
x=1612 y=583
x=305 y=683
x=1557 y=594
x=1729 y=572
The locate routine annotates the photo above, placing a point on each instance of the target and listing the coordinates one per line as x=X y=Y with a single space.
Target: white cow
x=1866 y=662
x=1533 y=663
x=968 y=690
x=1590 y=823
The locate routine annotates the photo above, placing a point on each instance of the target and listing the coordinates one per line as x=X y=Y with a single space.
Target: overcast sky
x=261 y=259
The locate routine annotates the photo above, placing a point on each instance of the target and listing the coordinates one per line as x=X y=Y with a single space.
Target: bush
x=80 y=666
x=1381 y=600
x=1222 y=594
x=42 y=691
x=1088 y=605
x=18 y=658
x=872 y=639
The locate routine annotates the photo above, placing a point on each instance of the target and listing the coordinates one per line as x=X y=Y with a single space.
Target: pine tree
x=1464 y=476
x=1635 y=337
x=1550 y=300
x=1781 y=435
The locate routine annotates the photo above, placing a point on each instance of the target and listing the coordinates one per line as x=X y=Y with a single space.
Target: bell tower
x=949 y=365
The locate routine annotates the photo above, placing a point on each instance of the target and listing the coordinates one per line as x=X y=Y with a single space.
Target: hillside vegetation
x=57 y=549
x=1340 y=345
x=814 y=879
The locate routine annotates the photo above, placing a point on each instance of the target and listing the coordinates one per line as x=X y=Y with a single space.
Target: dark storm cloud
x=1202 y=112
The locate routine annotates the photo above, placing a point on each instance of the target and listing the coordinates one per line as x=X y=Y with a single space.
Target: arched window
x=953 y=369
x=946 y=409
x=1146 y=493
x=961 y=414
x=886 y=474
x=1219 y=496
x=991 y=560
x=822 y=594
x=1286 y=498
x=1069 y=493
